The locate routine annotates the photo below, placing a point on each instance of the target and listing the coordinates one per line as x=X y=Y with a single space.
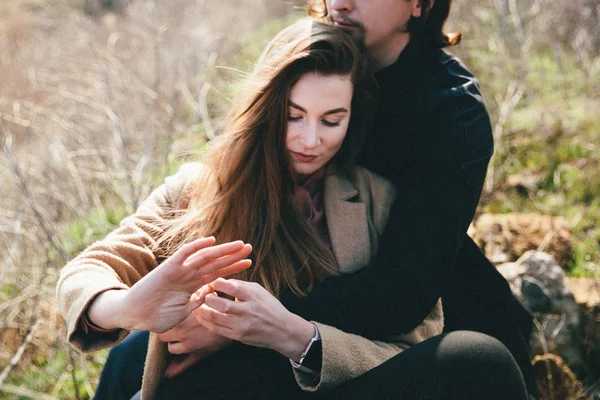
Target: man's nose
x=340 y=5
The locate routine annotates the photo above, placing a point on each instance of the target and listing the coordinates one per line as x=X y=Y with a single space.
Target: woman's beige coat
x=356 y=207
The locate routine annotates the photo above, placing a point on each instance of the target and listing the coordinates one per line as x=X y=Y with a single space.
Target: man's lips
x=345 y=24
x=303 y=157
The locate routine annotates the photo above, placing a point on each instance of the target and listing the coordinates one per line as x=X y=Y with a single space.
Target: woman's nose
x=310 y=136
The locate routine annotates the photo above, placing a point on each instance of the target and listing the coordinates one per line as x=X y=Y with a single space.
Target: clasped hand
x=255 y=317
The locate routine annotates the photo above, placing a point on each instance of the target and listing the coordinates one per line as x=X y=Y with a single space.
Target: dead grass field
x=96 y=107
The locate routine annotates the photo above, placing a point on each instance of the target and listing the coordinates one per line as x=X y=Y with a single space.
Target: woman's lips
x=301 y=157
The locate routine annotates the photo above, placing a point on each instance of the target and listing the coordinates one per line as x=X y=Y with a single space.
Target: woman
x=282 y=178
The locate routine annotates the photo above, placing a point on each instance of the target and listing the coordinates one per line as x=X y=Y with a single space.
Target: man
x=433 y=139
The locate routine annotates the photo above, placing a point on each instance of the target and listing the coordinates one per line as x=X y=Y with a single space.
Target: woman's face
x=318 y=117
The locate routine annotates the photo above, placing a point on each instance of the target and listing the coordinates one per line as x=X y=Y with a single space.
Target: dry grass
x=94 y=107
x=93 y=110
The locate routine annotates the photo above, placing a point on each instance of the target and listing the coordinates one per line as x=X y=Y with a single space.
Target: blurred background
x=101 y=99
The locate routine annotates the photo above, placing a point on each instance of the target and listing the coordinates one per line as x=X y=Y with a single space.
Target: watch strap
x=310 y=360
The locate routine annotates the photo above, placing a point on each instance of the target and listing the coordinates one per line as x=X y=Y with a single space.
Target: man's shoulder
x=450 y=72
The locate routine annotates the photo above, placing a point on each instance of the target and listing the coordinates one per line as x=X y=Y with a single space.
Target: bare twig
x=540 y=330
x=10 y=255
x=18 y=354
x=28 y=195
x=74 y=173
x=21 y=391
x=49 y=233
x=120 y=152
x=25 y=294
x=514 y=93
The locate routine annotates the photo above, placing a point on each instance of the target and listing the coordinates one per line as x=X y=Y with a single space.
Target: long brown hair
x=427 y=29
x=247 y=188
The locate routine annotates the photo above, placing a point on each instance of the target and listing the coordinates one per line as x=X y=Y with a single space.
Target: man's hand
x=255 y=317
x=163 y=298
x=190 y=342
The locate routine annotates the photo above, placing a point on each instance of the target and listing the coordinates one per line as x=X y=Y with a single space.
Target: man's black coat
x=433 y=139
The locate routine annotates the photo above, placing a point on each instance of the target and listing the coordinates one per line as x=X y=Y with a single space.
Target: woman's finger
x=216 y=317
x=197 y=299
x=177 y=348
x=224 y=305
x=211 y=266
x=202 y=316
x=226 y=271
x=181 y=363
x=169 y=335
x=192 y=247
x=207 y=254
x=241 y=290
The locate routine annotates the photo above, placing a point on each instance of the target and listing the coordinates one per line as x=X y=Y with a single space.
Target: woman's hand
x=255 y=317
x=162 y=299
x=190 y=336
x=190 y=342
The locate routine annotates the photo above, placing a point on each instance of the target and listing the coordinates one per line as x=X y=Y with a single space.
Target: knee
x=132 y=348
x=119 y=353
x=476 y=351
x=480 y=366
x=116 y=361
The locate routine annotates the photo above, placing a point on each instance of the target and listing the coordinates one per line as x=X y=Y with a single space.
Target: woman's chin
x=304 y=171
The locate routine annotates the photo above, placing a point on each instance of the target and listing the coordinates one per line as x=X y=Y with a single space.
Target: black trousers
x=456 y=365
x=122 y=374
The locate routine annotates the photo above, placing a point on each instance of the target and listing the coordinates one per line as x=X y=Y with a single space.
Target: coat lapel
x=347 y=223
x=157 y=360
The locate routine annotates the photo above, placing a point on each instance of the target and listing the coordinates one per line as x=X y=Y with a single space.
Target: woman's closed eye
x=330 y=124
x=326 y=122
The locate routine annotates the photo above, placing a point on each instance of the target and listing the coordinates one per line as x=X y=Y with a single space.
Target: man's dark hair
x=427 y=29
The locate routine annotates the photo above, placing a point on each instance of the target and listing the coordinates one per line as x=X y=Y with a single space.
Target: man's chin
x=357 y=33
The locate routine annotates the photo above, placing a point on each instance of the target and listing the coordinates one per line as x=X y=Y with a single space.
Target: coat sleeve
x=346 y=356
x=118 y=261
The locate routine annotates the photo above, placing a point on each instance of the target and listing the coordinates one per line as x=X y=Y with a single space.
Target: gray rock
x=538 y=282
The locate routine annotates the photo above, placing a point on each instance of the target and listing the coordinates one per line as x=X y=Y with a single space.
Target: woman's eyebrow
x=296 y=106
x=333 y=111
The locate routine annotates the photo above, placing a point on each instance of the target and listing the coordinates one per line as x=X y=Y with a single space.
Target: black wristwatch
x=310 y=360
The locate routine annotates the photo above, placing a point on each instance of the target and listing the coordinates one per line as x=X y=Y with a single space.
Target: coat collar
x=347 y=221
